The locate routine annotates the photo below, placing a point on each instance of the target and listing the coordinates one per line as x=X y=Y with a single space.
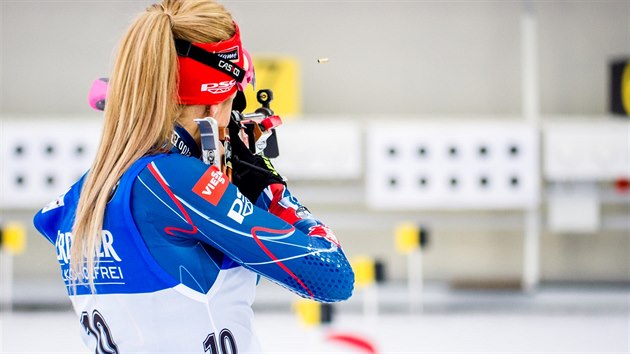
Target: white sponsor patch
x=55 y=203
x=218 y=87
x=241 y=207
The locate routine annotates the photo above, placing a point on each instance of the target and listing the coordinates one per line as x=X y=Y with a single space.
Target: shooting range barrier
x=408 y=166
x=42 y=158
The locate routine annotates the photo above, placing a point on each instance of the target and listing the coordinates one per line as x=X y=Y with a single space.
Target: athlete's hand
x=250 y=173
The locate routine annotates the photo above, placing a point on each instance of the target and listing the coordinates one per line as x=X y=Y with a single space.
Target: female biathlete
x=161 y=253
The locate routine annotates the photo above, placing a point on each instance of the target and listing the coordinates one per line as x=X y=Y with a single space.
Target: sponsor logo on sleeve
x=241 y=207
x=211 y=186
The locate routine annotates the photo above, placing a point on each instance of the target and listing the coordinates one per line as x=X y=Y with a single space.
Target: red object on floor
x=354 y=341
x=622 y=185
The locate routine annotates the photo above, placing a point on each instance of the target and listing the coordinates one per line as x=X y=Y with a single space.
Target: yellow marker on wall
x=308 y=311
x=407 y=237
x=280 y=74
x=625 y=88
x=14 y=238
x=364 y=271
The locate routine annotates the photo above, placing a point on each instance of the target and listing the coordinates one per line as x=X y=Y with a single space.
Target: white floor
x=57 y=332
x=554 y=319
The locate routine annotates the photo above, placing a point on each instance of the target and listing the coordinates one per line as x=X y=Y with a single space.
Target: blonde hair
x=141 y=109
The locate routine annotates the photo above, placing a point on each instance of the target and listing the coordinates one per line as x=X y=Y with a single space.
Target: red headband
x=200 y=84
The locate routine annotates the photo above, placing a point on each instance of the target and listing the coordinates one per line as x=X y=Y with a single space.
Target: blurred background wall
x=398 y=59
x=391 y=57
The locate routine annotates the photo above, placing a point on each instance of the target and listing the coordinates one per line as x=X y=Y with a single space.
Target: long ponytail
x=141 y=110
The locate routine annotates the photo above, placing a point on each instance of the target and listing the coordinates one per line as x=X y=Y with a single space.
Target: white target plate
x=453 y=165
